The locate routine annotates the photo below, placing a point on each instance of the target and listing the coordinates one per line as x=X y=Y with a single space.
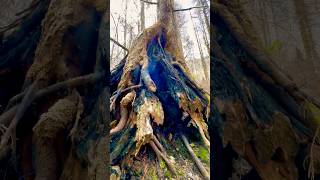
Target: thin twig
x=28 y=9
x=149 y=2
x=117 y=43
x=114 y=98
x=311 y=164
x=187 y=9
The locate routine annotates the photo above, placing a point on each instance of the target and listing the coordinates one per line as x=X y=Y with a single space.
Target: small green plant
x=167 y=174
x=202 y=153
x=274 y=47
x=162 y=164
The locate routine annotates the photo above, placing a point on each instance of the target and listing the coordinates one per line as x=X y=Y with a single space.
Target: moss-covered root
x=200 y=166
x=160 y=156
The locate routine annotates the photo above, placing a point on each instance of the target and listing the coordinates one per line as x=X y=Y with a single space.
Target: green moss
x=179 y=172
x=201 y=153
x=162 y=164
x=274 y=47
x=137 y=173
x=314 y=111
x=155 y=177
x=153 y=174
x=167 y=174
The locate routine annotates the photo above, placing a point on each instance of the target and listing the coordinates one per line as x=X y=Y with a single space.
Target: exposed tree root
x=195 y=158
x=159 y=145
x=26 y=102
x=7 y=116
x=114 y=98
x=124 y=112
x=32 y=95
x=204 y=138
x=160 y=156
x=146 y=78
x=59 y=116
x=70 y=83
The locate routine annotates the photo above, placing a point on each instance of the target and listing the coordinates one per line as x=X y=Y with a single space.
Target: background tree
x=204 y=65
x=142 y=17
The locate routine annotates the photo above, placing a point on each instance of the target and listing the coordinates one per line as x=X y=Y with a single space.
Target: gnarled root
x=7 y=116
x=59 y=116
x=70 y=83
x=115 y=97
x=124 y=112
x=17 y=112
x=204 y=138
x=21 y=109
x=201 y=168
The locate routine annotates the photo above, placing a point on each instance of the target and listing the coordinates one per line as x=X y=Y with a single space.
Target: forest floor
x=147 y=167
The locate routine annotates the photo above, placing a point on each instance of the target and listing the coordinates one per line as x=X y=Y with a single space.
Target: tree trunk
x=306 y=34
x=203 y=62
x=125 y=27
x=204 y=32
x=206 y=18
x=142 y=17
x=116 y=35
x=59 y=117
x=153 y=102
x=259 y=116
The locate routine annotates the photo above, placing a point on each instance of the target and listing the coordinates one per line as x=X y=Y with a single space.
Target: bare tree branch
x=149 y=2
x=117 y=43
x=187 y=9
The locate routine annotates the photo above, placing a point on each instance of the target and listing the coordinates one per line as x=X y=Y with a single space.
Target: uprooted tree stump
x=157 y=109
x=261 y=121
x=161 y=100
